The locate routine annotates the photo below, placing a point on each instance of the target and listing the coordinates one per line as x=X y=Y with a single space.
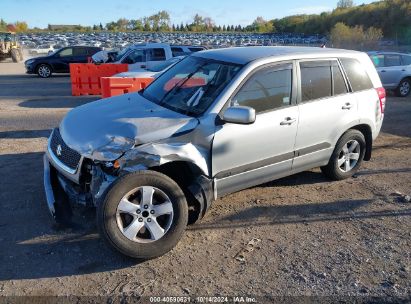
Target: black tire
x=404 y=88
x=15 y=55
x=332 y=169
x=107 y=221
x=44 y=71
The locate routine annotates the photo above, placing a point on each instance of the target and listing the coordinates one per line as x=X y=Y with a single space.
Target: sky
x=40 y=13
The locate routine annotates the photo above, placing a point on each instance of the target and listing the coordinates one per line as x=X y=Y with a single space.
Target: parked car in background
x=42 y=49
x=394 y=70
x=59 y=61
x=214 y=123
x=141 y=57
x=152 y=72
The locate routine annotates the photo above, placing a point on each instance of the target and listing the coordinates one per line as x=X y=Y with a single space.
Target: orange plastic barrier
x=192 y=82
x=85 y=77
x=112 y=86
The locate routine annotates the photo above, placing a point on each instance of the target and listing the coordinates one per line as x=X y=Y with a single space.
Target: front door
x=62 y=60
x=136 y=60
x=248 y=155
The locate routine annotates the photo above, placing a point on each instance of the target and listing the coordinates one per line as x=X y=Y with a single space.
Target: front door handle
x=383 y=71
x=347 y=106
x=288 y=121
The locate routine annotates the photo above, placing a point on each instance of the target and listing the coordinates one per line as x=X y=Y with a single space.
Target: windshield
x=164 y=65
x=121 y=54
x=190 y=86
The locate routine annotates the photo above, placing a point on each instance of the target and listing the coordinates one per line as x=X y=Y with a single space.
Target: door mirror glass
x=239 y=114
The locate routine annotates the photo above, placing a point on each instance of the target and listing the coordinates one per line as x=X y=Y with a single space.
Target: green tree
x=343 y=36
x=261 y=26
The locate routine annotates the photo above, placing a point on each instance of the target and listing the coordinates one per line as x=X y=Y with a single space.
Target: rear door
x=80 y=55
x=325 y=109
x=247 y=155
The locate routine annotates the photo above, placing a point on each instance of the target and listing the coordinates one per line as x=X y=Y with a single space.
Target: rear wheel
x=44 y=71
x=347 y=156
x=143 y=215
x=404 y=88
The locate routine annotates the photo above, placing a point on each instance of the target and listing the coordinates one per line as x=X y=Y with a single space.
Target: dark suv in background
x=59 y=61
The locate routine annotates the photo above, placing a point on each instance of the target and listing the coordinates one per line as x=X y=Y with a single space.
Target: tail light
x=382 y=96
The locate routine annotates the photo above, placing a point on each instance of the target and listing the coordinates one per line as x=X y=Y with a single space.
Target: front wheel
x=404 y=88
x=144 y=214
x=44 y=71
x=347 y=156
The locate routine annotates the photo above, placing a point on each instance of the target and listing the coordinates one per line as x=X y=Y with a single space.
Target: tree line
x=392 y=17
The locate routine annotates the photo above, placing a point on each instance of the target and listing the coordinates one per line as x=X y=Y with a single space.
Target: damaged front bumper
x=62 y=193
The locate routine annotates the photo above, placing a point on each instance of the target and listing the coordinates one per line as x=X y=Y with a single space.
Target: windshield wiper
x=179 y=84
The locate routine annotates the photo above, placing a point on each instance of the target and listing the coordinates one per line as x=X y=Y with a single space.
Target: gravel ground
x=309 y=236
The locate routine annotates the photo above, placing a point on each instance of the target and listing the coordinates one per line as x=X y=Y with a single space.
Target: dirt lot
x=318 y=238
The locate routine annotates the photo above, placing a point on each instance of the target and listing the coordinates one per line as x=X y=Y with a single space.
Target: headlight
x=30 y=61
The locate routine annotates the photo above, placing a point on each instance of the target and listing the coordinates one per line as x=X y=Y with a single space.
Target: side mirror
x=239 y=114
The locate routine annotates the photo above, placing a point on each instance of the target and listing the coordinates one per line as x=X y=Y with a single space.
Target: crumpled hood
x=106 y=128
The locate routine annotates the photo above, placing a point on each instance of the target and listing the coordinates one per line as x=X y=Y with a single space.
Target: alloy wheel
x=44 y=71
x=349 y=155
x=144 y=214
x=405 y=88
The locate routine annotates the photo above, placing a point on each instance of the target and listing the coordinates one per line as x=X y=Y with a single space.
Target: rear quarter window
x=357 y=75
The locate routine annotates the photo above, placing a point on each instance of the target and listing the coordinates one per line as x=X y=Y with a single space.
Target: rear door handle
x=288 y=121
x=347 y=106
x=383 y=71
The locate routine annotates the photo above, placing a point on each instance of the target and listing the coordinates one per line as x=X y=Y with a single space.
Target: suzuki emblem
x=58 y=150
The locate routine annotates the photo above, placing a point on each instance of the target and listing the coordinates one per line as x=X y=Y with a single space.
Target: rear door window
x=177 y=51
x=79 y=51
x=357 y=75
x=392 y=60
x=267 y=89
x=157 y=54
x=316 y=81
x=406 y=60
x=92 y=51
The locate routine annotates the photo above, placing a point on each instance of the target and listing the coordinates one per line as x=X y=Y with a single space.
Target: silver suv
x=394 y=70
x=216 y=122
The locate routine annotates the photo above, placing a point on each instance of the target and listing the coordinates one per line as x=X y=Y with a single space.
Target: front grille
x=64 y=153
